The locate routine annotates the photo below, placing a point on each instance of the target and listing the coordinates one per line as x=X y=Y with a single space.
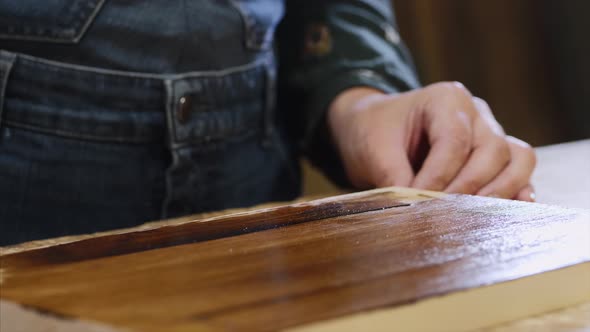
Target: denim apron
x=114 y=113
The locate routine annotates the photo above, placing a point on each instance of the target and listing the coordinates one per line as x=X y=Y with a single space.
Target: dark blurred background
x=529 y=59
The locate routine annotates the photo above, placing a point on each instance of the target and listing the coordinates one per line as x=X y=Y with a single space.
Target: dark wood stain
x=208 y=229
x=310 y=271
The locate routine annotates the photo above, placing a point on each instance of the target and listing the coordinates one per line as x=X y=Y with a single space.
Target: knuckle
x=460 y=131
x=460 y=142
x=525 y=146
x=438 y=182
x=481 y=103
x=501 y=149
x=528 y=154
x=482 y=107
x=455 y=89
x=511 y=184
x=471 y=186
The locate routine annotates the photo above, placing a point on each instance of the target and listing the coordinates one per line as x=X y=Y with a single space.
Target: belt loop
x=170 y=142
x=270 y=102
x=7 y=59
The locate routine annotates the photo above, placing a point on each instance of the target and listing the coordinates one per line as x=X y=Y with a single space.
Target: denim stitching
x=256 y=37
x=26 y=63
x=6 y=62
x=67 y=134
x=82 y=14
x=131 y=74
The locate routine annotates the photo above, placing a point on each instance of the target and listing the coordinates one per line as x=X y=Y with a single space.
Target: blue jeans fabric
x=90 y=148
x=154 y=36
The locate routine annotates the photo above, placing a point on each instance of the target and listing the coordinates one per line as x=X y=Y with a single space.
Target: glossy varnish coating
x=203 y=230
x=308 y=271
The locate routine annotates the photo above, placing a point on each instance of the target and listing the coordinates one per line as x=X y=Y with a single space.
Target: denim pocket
x=260 y=18
x=61 y=21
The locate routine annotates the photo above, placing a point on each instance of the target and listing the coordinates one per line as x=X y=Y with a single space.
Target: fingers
x=380 y=159
x=442 y=163
x=485 y=112
x=449 y=130
x=381 y=165
x=380 y=140
x=388 y=163
x=484 y=164
x=489 y=157
x=516 y=175
x=526 y=194
x=392 y=169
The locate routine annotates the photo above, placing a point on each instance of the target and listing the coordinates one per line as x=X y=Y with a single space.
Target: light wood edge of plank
x=475 y=308
x=571 y=319
x=16 y=318
x=404 y=195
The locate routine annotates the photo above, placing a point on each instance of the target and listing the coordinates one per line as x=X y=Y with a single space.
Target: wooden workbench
x=551 y=169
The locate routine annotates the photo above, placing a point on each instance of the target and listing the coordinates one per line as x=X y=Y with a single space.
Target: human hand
x=438 y=137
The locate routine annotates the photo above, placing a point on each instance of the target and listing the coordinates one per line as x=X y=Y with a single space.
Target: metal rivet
x=184 y=109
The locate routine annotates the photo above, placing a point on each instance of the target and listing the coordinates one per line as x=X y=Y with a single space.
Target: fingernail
x=533 y=196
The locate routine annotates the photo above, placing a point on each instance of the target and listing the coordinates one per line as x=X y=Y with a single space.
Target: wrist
x=346 y=103
x=350 y=97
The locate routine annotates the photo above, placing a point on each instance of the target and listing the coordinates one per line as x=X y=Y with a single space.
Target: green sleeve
x=326 y=47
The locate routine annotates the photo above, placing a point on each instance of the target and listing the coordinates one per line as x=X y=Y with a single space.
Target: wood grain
x=277 y=278
x=203 y=230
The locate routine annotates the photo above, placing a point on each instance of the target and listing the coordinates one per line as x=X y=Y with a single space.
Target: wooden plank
x=207 y=229
x=315 y=271
x=14 y=318
x=571 y=319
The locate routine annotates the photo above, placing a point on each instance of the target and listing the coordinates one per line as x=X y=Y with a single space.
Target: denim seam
x=67 y=134
x=192 y=74
x=73 y=73
x=6 y=62
x=170 y=123
x=248 y=24
x=221 y=140
x=171 y=126
x=270 y=103
x=49 y=106
x=168 y=190
x=62 y=37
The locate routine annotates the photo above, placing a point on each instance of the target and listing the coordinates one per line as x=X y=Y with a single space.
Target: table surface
x=562 y=176
x=560 y=179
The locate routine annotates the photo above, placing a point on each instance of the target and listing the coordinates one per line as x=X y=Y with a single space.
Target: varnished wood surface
x=203 y=230
x=311 y=271
x=401 y=195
